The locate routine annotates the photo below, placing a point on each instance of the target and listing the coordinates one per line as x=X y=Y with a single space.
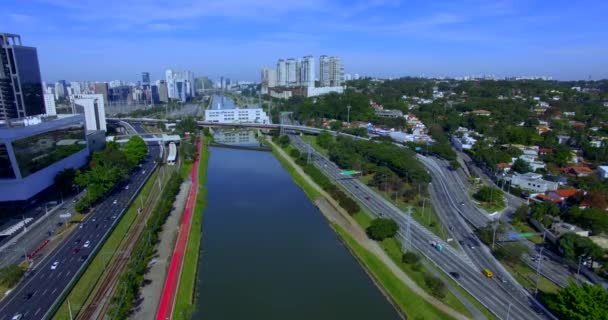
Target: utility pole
x=494 y=235
x=70 y=310
x=408 y=240
x=540 y=258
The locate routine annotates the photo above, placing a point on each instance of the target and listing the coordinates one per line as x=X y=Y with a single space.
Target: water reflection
x=236 y=137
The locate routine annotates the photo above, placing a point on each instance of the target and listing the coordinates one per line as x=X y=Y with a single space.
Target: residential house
x=532 y=182
x=481 y=112
x=388 y=113
x=602 y=171
x=559 y=228
x=545 y=151
x=503 y=167
x=542 y=129
x=577 y=171
x=561 y=195
x=563 y=139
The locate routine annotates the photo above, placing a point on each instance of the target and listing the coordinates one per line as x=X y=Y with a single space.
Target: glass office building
x=31 y=155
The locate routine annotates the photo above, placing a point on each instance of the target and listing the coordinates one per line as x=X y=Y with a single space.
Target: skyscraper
x=180 y=84
x=145 y=79
x=20 y=81
x=163 y=94
x=60 y=89
x=102 y=88
x=281 y=73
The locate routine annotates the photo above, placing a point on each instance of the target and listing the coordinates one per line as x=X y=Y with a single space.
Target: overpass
x=241 y=125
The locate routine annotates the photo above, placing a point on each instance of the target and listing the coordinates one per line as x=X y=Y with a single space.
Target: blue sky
x=118 y=39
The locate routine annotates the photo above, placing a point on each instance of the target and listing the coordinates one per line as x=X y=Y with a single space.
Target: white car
x=54 y=265
x=18 y=316
x=115 y=201
x=87 y=244
x=127 y=188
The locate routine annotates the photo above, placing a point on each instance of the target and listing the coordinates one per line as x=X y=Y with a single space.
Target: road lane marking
x=37 y=311
x=54 y=290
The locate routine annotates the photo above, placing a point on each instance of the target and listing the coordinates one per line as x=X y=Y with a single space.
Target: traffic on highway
x=46 y=282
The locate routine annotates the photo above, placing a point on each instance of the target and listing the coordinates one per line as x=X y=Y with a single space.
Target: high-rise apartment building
x=291 y=74
x=20 y=82
x=76 y=89
x=336 y=72
x=324 y=71
x=281 y=73
x=307 y=71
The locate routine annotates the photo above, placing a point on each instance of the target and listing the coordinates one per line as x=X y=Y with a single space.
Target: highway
x=502 y=302
x=40 y=289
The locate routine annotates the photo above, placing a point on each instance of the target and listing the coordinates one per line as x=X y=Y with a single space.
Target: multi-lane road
x=504 y=302
x=43 y=285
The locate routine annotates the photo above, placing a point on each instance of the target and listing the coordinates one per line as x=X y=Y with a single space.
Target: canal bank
x=412 y=300
x=267 y=253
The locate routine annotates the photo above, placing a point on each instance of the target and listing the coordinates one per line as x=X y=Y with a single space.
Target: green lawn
x=393 y=249
x=311 y=192
x=410 y=304
x=184 y=299
x=527 y=278
x=523 y=227
x=89 y=278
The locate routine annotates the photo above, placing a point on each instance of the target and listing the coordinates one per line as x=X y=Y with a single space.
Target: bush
x=437 y=287
x=381 y=229
x=294 y=153
x=410 y=258
x=417 y=267
x=9 y=276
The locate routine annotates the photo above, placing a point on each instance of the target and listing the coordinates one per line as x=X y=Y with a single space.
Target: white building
x=601 y=170
x=291 y=72
x=49 y=104
x=307 y=71
x=532 y=182
x=75 y=87
x=237 y=116
x=324 y=71
x=313 y=92
x=60 y=91
x=180 y=84
x=94 y=109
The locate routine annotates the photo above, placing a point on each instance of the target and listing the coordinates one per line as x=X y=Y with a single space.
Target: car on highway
x=18 y=316
x=115 y=202
x=75 y=251
x=28 y=296
x=83 y=257
x=87 y=244
x=127 y=187
x=488 y=273
x=77 y=241
x=82 y=224
x=54 y=265
x=455 y=274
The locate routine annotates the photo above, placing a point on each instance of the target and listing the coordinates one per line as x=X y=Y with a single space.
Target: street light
x=348 y=115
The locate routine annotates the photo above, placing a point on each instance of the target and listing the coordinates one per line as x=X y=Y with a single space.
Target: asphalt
x=42 y=286
x=503 y=302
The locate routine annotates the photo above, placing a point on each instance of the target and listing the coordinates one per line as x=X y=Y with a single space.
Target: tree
x=437 y=287
x=325 y=139
x=64 y=180
x=410 y=258
x=521 y=214
x=187 y=124
x=575 y=246
x=283 y=141
x=547 y=208
x=294 y=153
x=490 y=195
x=136 y=150
x=381 y=229
x=575 y=302
x=335 y=125
x=510 y=253
x=521 y=166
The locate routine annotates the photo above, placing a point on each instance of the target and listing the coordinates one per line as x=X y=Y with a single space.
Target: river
x=268 y=253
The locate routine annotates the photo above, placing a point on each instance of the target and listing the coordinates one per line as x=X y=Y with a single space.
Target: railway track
x=99 y=302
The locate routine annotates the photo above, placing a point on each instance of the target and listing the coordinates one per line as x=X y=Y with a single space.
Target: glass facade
x=6 y=168
x=39 y=151
x=29 y=76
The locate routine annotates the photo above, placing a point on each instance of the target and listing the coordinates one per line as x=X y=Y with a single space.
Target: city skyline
x=378 y=38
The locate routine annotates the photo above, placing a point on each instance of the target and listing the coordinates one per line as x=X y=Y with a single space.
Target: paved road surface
x=488 y=291
x=36 y=294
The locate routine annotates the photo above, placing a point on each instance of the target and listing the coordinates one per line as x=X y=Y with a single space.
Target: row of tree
x=126 y=294
x=107 y=168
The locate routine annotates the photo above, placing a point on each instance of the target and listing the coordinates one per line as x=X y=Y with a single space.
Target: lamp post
x=348 y=115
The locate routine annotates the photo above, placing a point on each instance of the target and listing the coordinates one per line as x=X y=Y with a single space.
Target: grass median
x=186 y=291
x=410 y=304
x=88 y=280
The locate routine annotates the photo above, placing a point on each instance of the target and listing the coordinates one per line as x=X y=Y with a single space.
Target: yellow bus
x=488 y=273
